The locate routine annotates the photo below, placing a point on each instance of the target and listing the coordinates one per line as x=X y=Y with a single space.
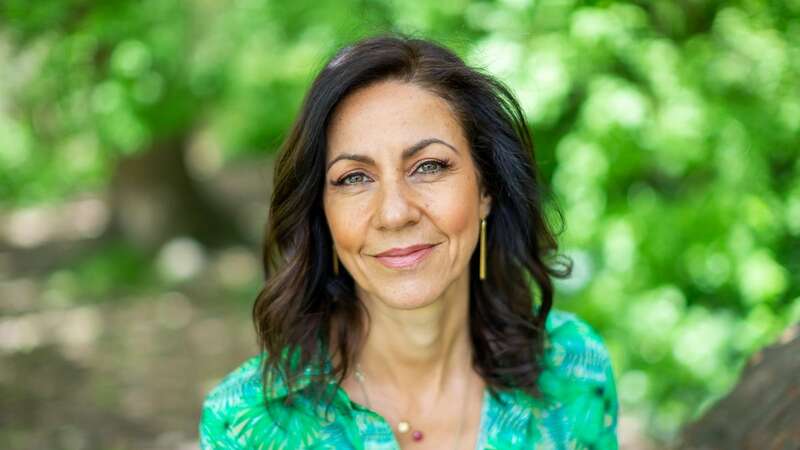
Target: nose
x=396 y=206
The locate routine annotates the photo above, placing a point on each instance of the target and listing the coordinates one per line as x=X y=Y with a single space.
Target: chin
x=407 y=296
x=407 y=303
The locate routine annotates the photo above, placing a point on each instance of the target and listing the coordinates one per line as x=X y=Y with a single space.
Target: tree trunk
x=763 y=410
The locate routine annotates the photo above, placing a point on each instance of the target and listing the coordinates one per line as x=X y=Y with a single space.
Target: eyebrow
x=407 y=153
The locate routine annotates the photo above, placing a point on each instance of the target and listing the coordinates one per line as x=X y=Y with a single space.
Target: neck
x=419 y=352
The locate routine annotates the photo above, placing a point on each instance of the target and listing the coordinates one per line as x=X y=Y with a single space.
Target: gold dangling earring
x=335 y=263
x=482 y=266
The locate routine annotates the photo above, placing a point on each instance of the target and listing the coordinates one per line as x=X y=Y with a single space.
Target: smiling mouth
x=407 y=261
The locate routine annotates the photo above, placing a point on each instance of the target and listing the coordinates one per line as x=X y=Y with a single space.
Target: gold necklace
x=404 y=426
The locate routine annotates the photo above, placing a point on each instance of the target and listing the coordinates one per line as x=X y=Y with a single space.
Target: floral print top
x=578 y=411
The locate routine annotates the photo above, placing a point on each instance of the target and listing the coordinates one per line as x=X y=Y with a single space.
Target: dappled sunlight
x=83 y=218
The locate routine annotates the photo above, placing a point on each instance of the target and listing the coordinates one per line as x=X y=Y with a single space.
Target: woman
x=406 y=232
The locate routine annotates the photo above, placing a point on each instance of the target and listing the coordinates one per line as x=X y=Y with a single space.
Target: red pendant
x=416 y=435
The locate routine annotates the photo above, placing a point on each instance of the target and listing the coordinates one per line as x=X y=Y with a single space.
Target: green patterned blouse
x=578 y=411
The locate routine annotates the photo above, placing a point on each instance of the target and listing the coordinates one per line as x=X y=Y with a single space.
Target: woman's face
x=399 y=173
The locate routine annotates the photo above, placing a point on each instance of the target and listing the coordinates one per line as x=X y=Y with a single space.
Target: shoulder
x=578 y=378
x=228 y=403
x=238 y=411
x=573 y=348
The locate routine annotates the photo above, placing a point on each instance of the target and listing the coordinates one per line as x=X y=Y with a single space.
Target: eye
x=425 y=168
x=432 y=166
x=351 y=179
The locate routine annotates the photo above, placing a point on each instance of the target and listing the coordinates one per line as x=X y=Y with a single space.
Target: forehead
x=390 y=115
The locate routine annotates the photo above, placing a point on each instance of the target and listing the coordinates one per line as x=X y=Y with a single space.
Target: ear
x=485 y=204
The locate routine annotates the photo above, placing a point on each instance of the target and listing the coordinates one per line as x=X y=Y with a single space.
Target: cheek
x=454 y=217
x=455 y=209
x=346 y=222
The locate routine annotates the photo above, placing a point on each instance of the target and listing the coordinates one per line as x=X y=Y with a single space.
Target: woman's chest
x=450 y=423
x=498 y=425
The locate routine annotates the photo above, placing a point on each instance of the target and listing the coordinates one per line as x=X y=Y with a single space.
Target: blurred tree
x=761 y=412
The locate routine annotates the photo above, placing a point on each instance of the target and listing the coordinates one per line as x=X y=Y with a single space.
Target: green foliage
x=113 y=271
x=668 y=130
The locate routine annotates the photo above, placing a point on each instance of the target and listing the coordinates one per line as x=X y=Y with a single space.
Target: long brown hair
x=303 y=302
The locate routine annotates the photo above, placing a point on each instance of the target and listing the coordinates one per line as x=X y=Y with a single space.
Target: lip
x=405 y=257
x=404 y=250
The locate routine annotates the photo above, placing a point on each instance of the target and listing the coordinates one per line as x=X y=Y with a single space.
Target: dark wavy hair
x=303 y=302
